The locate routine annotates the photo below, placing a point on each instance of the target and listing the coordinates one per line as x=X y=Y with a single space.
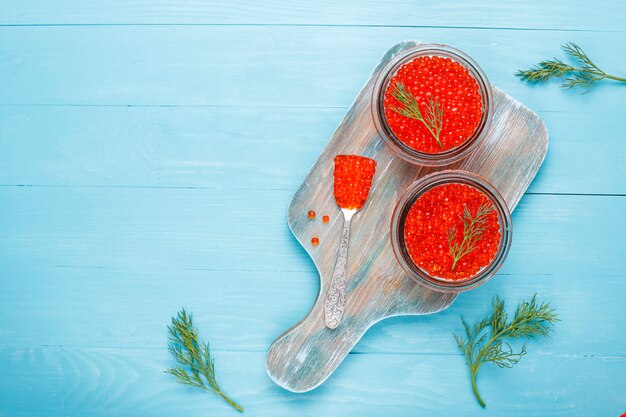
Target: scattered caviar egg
x=352 y=180
x=325 y=219
x=436 y=231
x=315 y=241
x=311 y=214
x=429 y=80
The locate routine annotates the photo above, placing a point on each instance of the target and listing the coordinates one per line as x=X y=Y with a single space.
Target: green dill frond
x=584 y=76
x=196 y=365
x=474 y=225
x=480 y=346
x=545 y=70
x=409 y=107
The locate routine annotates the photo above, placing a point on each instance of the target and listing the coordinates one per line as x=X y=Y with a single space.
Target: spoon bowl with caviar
x=451 y=231
x=352 y=176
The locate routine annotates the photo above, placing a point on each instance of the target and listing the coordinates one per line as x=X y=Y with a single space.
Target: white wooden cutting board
x=307 y=354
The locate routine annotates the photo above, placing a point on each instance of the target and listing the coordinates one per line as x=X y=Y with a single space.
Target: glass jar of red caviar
x=477 y=185
x=467 y=134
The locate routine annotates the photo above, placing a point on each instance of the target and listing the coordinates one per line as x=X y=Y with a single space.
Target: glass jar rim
x=406 y=202
x=380 y=120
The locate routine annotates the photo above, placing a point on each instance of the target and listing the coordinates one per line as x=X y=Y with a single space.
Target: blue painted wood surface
x=148 y=150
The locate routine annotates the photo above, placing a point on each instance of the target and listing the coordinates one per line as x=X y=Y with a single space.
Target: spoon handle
x=336 y=296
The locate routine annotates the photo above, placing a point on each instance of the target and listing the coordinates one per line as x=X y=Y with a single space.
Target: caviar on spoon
x=353 y=176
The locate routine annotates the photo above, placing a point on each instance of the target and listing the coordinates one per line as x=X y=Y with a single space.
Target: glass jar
x=400 y=148
x=406 y=202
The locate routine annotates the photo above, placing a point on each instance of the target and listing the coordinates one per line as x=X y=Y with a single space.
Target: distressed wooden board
x=308 y=353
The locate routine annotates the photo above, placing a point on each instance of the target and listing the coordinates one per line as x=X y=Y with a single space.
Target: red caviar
x=449 y=82
x=315 y=241
x=353 y=179
x=311 y=214
x=429 y=221
x=325 y=219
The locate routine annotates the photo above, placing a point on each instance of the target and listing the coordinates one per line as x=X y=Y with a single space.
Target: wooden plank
x=132 y=255
x=172 y=229
x=267 y=66
x=215 y=147
x=130 y=383
x=238 y=311
x=534 y=14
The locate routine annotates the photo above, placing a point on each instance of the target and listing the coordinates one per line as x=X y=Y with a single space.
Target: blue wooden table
x=148 y=150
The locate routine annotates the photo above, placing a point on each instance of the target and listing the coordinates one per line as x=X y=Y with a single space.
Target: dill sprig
x=432 y=117
x=473 y=228
x=197 y=367
x=584 y=76
x=530 y=319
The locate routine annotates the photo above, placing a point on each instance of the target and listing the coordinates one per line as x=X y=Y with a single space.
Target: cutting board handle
x=308 y=353
x=304 y=356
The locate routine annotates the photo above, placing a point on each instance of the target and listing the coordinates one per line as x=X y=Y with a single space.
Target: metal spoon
x=336 y=296
x=352 y=181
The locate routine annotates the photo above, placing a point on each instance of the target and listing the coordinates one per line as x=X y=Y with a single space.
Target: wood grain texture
x=210 y=147
x=528 y=14
x=130 y=129
x=509 y=157
x=283 y=66
x=172 y=230
x=115 y=382
x=240 y=312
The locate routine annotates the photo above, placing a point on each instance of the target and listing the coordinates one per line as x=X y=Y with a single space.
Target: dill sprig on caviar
x=473 y=228
x=432 y=117
x=584 y=75
x=196 y=366
x=530 y=319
